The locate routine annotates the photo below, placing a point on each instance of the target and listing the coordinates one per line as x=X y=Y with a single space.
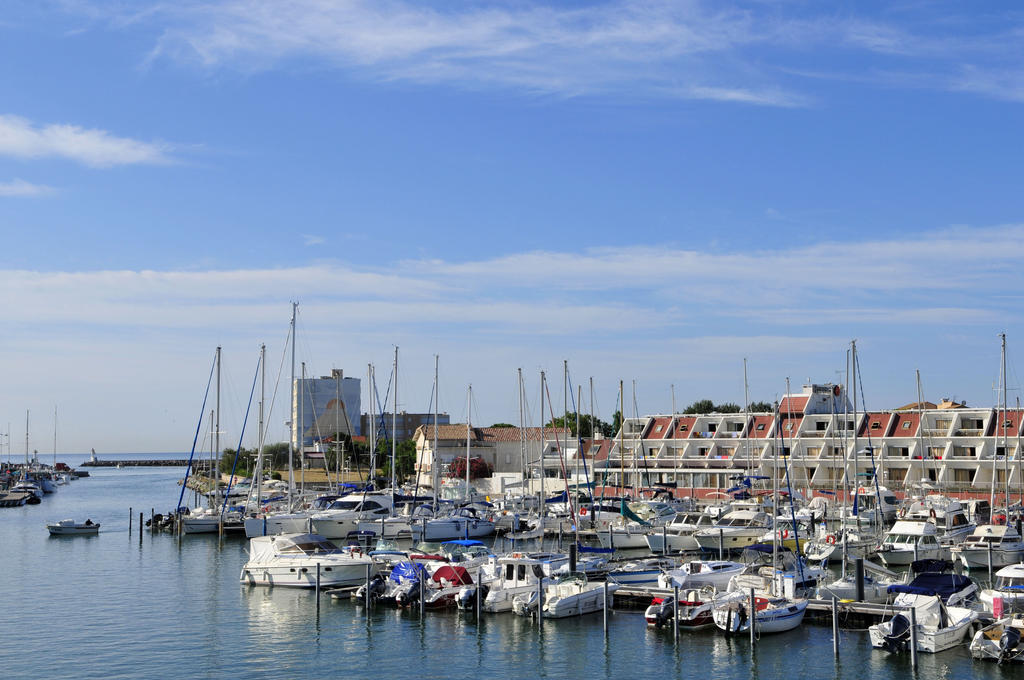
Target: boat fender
x=831 y=539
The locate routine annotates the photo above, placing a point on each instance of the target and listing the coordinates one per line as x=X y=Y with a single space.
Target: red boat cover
x=455 y=575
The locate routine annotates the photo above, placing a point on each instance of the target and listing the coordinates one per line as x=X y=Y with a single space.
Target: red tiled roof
x=659 y=428
x=684 y=424
x=786 y=428
x=764 y=431
x=869 y=425
x=999 y=419
x=603 y=447
x=911 y=420
x=792 y=404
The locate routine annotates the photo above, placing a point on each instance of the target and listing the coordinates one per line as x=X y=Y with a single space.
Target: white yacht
x=1008 y=589
x=342 y=517
x=515 y=574
x=678 y=535
x=911 y=540
x=570 y=595
x=464 y=522
x=296 y=520
x=292 y=559
x=734 y=531
x=999 y=542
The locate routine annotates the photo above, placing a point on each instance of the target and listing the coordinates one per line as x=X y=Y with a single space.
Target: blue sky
x=653 y=191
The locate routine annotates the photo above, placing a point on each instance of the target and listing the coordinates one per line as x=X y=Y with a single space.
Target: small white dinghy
x=69 y=527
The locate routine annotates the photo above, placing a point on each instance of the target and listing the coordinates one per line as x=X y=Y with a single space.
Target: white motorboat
x=694 y=610
x=208 y=520
x=646 y=516
x=69 y=527
x=292 y=559
x=1008 y=589
x=570 y=595
x=947 y=514
x=734 y=531
x=697 y=574
x=640 y=572
x=506 y=577
x=911 y=540
x=464 y=522
x=1000 y=641
x=678 y=535
x=270 y=522
x=342 y=517
x=999 y=543
x=938 y=627
x=731 y=613
x=876 y=584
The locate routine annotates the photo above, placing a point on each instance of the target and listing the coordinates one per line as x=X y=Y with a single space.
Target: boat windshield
x=343 y=505
x=899 y=538
x=309 y=547
x=1010 y=582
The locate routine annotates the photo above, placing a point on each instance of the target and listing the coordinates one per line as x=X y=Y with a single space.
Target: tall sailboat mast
x=291 y=417
x=394 y=427
x=435 y=469
x=469 y=428
x=260 y=437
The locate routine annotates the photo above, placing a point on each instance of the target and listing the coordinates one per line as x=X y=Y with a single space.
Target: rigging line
x=871 y=448
x=789 y=488
x=383 y=426
x=579 y=435
x=273 y=397
x=241 y=434
x=561 y=460
x=607 y=462
x=416 y=487
x=202 y=413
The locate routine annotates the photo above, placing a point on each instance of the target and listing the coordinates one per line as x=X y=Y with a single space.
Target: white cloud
x=312 y=240
x=20 y=138
x=19 y=187
x=658 y=315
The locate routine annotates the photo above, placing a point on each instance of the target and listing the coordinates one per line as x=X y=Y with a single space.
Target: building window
x=760 y=427
x=876 y=425
x=963 y=476
x=820 y=426
x=906 y=425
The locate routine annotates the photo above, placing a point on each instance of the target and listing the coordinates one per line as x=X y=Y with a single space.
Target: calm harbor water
x=106 y=607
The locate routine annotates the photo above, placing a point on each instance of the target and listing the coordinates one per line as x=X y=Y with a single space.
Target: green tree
x=587 y=425
x=616 y=422
x=405 y=460
x=499 y=425
x=760 y=407
x=727 y=407
x=701 y=406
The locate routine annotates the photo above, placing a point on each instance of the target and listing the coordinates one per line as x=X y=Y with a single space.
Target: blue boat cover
x=766 y=548
x=943 y=585
x=588 y=549
x=463 y=542
x=407 y=571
